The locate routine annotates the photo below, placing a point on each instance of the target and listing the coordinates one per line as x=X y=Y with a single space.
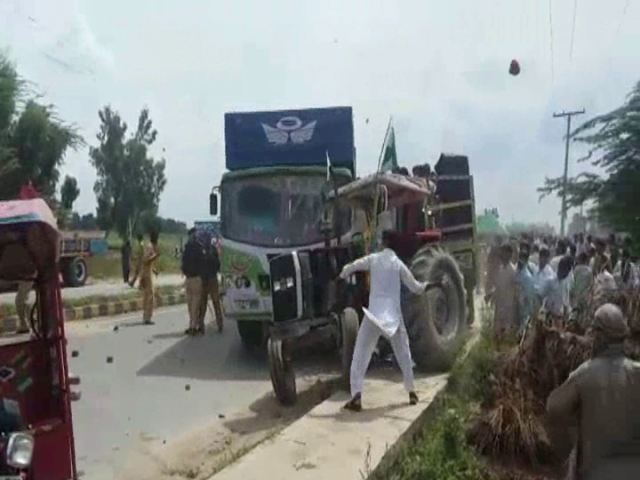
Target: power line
x=563 y=211
x=573 y=28
x=551 y=41
x=624 y=14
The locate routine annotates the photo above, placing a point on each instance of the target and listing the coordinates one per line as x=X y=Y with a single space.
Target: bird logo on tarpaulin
x=289 y=128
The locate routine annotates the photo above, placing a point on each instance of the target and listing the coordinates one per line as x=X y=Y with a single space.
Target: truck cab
x=270 y=199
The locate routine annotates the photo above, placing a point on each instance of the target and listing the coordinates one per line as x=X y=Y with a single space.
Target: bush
x=470 y=375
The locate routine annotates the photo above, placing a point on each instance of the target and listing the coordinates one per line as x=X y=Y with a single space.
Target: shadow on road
x=367 y=415
x=266 y=412
x=169 y=335
x=217 y=356
x=139 y=323
x=209 y=357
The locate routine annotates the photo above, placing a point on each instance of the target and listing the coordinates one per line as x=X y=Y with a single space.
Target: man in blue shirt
x=525 y=286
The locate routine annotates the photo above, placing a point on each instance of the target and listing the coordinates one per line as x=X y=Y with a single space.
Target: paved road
x=143 y=393
x=108 y=288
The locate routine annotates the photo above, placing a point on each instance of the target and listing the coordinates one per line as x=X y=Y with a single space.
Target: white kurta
x=384 y=315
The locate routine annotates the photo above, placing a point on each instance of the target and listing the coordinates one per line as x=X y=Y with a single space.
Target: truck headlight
x=19 y=450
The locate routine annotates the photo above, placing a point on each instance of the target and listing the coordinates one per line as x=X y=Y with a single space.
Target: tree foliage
x=85 y=222
x=535 y=229
x=614 y=142
x=69 y=192
x=33 y=140
x=129 y=181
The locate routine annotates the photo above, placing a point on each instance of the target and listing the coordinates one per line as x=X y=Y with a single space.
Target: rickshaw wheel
x=283 y=378
x=349 y=324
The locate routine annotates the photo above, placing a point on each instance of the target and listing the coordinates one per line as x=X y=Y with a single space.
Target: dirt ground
x=201 y=454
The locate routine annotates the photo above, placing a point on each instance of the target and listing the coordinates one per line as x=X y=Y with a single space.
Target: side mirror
x=213 y=204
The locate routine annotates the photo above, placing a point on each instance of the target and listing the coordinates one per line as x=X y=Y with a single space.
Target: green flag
x=389 y=155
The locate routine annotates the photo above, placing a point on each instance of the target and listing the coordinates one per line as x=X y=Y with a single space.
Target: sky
x=439 y=68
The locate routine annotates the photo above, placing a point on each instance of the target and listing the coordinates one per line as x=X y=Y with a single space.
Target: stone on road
x=141 y=397
x=107 y=288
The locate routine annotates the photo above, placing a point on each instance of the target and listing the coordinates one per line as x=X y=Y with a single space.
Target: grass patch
x=442 y=451
x=110 y=265
x=470 y=375
x=167 y=241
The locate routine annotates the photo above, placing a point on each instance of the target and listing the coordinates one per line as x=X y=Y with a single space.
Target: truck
x=75 y=248
x=270 y=200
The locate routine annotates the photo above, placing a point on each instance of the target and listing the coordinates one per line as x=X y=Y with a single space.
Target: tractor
x=435 y=237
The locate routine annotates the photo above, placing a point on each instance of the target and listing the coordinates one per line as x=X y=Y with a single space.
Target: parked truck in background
x=270 y=199
x=75 y=249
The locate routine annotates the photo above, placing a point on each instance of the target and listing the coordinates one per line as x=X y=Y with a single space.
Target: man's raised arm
x=361 y=265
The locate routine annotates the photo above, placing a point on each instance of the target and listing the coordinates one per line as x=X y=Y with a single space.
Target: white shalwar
x=384 y=315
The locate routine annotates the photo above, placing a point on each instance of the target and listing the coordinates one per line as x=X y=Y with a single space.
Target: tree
x=85 y=222
x=33 y=140
x=614 y=141
x=536 y=229
x=130 y=181
x=69 y=192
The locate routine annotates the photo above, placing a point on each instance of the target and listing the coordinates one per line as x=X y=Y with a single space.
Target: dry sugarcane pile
x=511 y=426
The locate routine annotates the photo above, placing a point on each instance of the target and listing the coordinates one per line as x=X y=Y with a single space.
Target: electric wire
x=573 y=28
x=551 y=41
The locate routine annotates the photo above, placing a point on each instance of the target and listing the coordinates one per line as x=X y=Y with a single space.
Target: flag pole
x=384 y=144
x=374 y=223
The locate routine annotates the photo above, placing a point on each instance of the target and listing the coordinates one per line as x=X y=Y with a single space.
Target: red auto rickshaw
x=36 y=430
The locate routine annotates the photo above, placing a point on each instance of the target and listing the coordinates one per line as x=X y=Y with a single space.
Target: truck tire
x=435 y=335
x=283 y=378
x=75 y=272
x=349 y=324
x=252 y=333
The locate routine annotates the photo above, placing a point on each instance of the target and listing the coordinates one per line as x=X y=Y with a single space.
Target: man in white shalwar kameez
x=383 y=317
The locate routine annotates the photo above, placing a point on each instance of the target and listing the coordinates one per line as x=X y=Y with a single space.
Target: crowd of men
x=591 y=284
x=200 y=266
x=563 y=278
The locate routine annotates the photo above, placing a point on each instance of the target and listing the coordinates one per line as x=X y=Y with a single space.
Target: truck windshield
x=277 y=211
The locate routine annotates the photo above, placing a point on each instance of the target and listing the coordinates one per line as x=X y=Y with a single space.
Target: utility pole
x=563 y=212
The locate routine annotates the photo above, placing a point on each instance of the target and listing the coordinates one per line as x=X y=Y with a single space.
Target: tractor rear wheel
x=436 y=320
x=283 y=378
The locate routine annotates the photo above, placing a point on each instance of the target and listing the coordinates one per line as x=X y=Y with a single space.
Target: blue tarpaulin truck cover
x=290 y=137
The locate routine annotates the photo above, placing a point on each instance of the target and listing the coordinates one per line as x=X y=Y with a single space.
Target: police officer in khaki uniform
x=147 y=273
x=210 y=285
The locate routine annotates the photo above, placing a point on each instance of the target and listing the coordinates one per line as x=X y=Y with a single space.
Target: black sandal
x=355 y=404
x=413 y=398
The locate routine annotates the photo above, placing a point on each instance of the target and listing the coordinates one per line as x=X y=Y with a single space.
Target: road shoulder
x=329 y=442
